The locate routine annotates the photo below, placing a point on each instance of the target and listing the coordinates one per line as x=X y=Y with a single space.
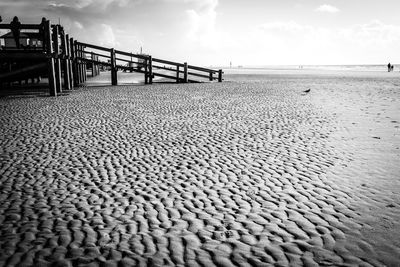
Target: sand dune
x=238 y=173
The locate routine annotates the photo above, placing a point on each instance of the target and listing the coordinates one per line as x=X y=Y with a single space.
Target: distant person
x=389 y=67
x=16 y=30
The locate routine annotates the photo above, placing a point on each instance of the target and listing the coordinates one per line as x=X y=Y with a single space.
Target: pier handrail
x=68 y=59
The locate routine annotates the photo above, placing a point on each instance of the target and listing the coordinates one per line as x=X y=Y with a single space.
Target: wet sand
x=240 y=173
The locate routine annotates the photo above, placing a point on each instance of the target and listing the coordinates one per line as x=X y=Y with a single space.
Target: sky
x=217 y=32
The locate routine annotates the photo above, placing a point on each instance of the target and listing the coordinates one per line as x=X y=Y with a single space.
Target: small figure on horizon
x=15 y=26
x=389 y=67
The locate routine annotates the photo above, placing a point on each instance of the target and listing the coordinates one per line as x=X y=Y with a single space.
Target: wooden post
x=56 y=33
x=114 y=75
x=146 y=76
x=177 y=73
x=150 y=70
x=50 y=61
x=78 y=63
x=65 y=61
x=211 y=76
x=220 y=76
x=93 y=70
x=81 y=67
x=83 y=55
x=185 y=72
x=73 y=62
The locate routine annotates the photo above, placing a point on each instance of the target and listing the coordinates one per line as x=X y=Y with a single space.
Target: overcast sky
x=215 y=32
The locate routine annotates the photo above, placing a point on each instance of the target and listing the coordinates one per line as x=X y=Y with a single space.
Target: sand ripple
x=205 y=175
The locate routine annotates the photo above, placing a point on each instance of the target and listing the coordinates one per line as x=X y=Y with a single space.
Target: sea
x=265 y=72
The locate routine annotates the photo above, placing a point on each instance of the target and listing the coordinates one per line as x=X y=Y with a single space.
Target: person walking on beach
x=15 y=26
x=389 y=67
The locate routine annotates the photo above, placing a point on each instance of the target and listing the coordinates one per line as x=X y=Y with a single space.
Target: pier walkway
x=49 y=52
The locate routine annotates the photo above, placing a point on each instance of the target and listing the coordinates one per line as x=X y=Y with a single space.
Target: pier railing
x=146 y=64
x=67 y=61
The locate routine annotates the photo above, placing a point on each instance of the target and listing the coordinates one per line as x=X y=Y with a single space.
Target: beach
x=252 y=171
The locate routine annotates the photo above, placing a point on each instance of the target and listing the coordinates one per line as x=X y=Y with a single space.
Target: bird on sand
x=307 y=91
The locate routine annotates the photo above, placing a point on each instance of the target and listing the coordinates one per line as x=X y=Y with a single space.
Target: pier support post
x=93 y=65
x=70 y=63
x=146 y=75
x=56 y=41
x=185 y=72
x=74 y=62
x=177 y=73
x=50 y=60
x=211 y=76
x=150 y=73
x=65 y=60
x=220 y=75
x=114 y=75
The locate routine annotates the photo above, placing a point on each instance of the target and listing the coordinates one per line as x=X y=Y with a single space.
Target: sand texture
x=253 y=173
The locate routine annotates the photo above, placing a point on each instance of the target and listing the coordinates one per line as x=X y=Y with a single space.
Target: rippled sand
x=231 y=174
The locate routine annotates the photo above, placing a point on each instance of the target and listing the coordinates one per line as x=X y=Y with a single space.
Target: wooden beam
x=95 y=47
x=177 y=74
x=50 y=60
x=220 y=75
x=57 y=61
x=167 y=62
x=114 y=75
x=75 y=63
x=150 y=73
x=65 y=68
x=185 y=72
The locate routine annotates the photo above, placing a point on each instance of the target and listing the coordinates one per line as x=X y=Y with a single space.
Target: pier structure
x=65 y=62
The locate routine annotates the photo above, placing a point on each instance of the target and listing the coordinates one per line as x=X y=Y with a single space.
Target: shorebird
x=307 y=91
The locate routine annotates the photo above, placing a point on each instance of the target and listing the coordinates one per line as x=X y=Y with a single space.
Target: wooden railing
x=67 y=60
x=180 y=72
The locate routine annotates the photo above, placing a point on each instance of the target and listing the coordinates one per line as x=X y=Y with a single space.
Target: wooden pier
x=64 y=61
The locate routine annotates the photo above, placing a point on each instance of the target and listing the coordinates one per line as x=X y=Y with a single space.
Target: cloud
x=327 y=9
x=202 y=19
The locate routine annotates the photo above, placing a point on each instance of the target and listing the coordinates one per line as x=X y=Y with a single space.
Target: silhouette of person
x=389 y=67
x=16 y=30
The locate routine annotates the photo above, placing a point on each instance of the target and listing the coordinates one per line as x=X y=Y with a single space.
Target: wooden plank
x=167 y=62
x=199 y=75
x=99 y=62
x=130 y=54
x=95 y=47
x=177 y=74
x=97 y=54
x=23 y=26
x=201 y=69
